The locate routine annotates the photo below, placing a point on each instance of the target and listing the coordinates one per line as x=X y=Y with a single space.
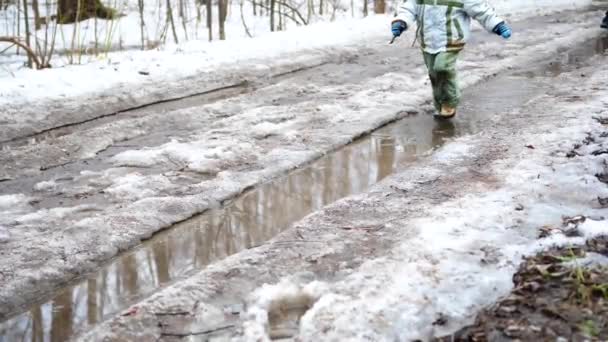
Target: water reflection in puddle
x=250 y=220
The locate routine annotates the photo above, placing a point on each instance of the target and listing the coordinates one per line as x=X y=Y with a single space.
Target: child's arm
x=407 y=13
x=483 y=13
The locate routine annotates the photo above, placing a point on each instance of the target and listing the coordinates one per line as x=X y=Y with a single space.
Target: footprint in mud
x=284 y=315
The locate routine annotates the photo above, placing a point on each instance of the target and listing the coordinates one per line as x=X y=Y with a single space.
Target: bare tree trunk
x=199 y=18
x=298 y=19
x=221 y=10
x=142 y=24
x=210 y=19
x=255 y=7
x=96 y=37
x=280 y=17
x=74 y=32
x=182 y=15
x=272 y=6
x=18 y=22
x=36 y=8
x=352 y=8
x=27 y=33
x=365 y=11
x=309 y=9
x=243 y=19
x=320 y=7
x=171 y=21
x=379 y=6
x=46 y=60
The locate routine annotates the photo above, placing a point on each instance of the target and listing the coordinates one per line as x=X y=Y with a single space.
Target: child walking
x=444 y=27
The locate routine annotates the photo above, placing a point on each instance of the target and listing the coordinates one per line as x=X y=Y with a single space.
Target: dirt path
x=422 y=251
x=107 y=196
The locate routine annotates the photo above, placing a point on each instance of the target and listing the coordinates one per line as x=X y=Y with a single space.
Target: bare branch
x=295 y=10
x=295 y=20
x=30 y=52
x=243 y=19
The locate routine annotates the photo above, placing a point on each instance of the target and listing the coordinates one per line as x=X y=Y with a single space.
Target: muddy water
x=248 y=221
x=258 y=215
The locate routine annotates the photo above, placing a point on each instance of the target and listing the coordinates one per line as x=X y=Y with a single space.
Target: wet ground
x=560 y=294
x=260 y=214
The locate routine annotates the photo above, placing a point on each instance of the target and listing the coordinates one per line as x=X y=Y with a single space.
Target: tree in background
x=70 y=11
x=379 y=6
x=222 y=6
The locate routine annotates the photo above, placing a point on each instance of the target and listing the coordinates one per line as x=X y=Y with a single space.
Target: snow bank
x=180 y=61
x=535 y=7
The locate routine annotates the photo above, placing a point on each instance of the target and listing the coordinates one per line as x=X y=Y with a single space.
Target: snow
x=170 y=62
x=271 y=297
x=134 y=186
x=366 y=106
x=536 y=7
x=11 y=201
x=592 y=228
x=5 y=235
x=45 y=186
x=198 y=156
x=43 y=216
x=466 y=250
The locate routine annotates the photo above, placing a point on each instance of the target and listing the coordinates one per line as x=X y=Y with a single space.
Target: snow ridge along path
x=140 y=192
x=424 y=249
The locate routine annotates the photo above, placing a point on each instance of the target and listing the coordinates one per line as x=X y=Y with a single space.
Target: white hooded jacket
x=445 y=25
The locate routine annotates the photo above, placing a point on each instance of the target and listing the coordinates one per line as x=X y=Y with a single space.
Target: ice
x=592 y=228
x=46 y=215
x=135 y=186
x=45 y=186
x=199 y=155
x=12 y=204
x=5 y=235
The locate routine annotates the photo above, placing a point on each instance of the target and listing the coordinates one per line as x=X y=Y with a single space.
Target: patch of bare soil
x=555 y=297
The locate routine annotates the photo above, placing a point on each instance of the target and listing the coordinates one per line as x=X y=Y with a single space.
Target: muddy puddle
x=258 y=215
x=248 y=221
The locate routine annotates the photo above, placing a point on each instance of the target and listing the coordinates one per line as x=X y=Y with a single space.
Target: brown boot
x=447 y=112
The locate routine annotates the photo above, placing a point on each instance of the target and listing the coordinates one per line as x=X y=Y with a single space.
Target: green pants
x=442 y=72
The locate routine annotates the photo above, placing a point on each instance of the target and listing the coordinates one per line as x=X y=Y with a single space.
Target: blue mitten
x=503 y=30
x=398 y=27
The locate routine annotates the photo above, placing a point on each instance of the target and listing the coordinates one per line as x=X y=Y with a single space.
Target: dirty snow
x=466 y=250
x=45 y=186
x=450 y=258
x=217 y=137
